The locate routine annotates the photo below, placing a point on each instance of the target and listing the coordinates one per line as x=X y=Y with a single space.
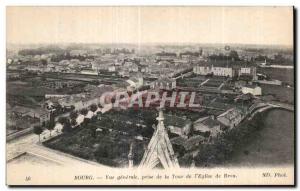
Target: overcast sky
x=245 y=25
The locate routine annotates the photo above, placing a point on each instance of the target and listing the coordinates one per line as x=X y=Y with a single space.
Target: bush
x=62 y=120
x=84 y=112
x=73 y=115
x=67 y=128
x=93 y=107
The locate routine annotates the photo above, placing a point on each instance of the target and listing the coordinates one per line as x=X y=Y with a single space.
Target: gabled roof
x=228 y=114
x=209 y=122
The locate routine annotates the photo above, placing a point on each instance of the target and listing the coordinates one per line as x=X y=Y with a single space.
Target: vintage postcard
x=137 y=95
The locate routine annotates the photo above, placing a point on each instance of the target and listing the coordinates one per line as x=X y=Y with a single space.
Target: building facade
x=225 y=71
x=231 y=118
x=164 y=83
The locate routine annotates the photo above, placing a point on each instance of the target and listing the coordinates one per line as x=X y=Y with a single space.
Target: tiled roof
x=209 y=122
x=173 y=120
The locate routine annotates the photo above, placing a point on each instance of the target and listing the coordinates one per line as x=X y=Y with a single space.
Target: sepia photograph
x=150 y=95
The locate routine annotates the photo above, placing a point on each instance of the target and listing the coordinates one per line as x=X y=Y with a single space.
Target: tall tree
x=93 y=108
x=234 y=55
x=84 y=111
x=50 y=126
x=38 y=131
x=73 y=115
x=73 y=122
x=86 y=121
x=62 y=120
x=72 y=107
x=67 y=128
x=100 y=106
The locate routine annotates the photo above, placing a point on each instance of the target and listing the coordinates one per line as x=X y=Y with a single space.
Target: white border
x=152 y=2
x=5 y=3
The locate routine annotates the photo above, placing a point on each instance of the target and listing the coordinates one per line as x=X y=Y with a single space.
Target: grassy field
x=109 y=148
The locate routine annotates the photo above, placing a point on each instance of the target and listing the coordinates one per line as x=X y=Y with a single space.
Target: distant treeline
x=233 y=55
x=58 y=53
x=41 y=50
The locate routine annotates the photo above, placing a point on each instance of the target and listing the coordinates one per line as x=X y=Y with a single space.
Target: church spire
x=159 y=149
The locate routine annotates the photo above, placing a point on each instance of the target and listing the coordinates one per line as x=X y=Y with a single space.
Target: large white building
x=225 y=71
x=222 y=71
x=231 y=118
x=254 y=90
x=135 y=83
x=217 y=71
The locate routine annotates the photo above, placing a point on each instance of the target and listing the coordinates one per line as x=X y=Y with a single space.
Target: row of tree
x=67 y=122
x=38 y=130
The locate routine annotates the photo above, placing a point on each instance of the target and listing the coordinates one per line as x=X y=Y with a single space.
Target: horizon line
x=147 y=43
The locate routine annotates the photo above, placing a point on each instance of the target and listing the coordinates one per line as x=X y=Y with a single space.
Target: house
x=33 y=68
x=189 y=55
x=231 y=118
x=111 y=68
x=99 y=65
x=13 y=75
x=48 y=96
x=84 y=100
x=72 y=100
x=89 y=72
x=202 y=70
x=222 y=71
x=214 y=70
x=49 y=105
x=248 y=72
x=225 y=70
x=14 y=66
x=254 y=90
x=42 y=114
x=207 y=126
x=10 y=116
x=164 y=83
x=124 y=73
x=244 y=98
x=133 y=68
x=145 y=70
x=178 y=125
x=128 y=63
x=135 y=83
